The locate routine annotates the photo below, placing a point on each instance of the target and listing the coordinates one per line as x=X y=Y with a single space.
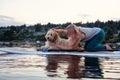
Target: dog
x=53 y=36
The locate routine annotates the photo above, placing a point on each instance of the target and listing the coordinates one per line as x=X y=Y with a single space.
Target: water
x=37 y=67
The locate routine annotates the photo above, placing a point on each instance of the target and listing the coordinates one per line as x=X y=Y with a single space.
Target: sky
x=18 y=12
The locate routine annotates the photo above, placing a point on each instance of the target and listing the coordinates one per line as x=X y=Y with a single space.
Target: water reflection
x=61 y=67
x=70 y=66
x=92 y=68
x=75 y=67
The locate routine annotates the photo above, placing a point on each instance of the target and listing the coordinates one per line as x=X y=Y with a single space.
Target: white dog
x=53 y=36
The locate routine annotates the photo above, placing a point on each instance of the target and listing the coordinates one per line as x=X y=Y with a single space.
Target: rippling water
x=37 y=67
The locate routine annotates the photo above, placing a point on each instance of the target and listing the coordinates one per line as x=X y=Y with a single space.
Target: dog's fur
x=54 y=37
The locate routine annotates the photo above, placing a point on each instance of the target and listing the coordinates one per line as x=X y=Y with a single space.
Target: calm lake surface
x=52 y=67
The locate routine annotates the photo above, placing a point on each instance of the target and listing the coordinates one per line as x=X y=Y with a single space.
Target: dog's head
x=51 y=36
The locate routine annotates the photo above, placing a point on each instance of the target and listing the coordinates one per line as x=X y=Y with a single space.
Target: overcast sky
x=17 y=12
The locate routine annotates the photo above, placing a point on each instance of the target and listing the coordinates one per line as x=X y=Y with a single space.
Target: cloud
x=114 y=18
x=91 y=18
x=7 y=21
x=84 y=15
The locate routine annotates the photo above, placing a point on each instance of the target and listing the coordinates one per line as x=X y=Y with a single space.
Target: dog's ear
x=55 y=37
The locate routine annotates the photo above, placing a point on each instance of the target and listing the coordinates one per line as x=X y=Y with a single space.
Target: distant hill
x=38 y=31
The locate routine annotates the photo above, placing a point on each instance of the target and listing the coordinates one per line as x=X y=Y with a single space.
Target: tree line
x=38 y=31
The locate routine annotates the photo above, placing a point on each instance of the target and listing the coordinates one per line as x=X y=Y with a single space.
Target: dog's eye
x=51 y=34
